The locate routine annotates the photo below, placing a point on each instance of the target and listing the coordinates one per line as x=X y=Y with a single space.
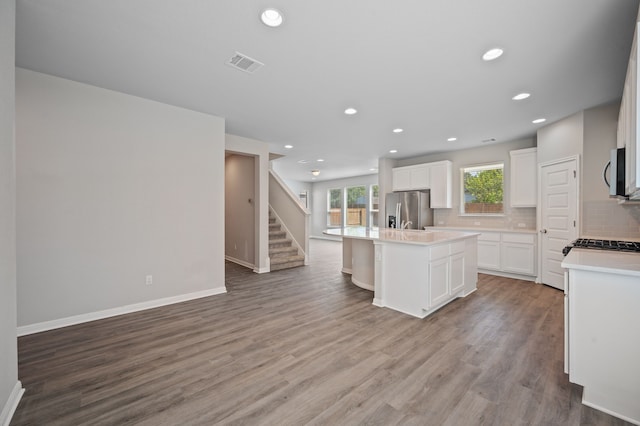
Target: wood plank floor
x=305 y=346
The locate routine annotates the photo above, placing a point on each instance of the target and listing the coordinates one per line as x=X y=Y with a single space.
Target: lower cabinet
x=489 y=251
x=439 y=280
x=446 y=272
x=456 y=272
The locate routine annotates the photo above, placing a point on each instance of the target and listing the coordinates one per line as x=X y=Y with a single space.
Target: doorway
x=558 y=216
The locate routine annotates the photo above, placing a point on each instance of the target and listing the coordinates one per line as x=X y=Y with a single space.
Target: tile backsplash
x=514 y=218
x=609 y=220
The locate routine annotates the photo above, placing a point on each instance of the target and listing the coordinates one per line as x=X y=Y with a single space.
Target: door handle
x=543 y=231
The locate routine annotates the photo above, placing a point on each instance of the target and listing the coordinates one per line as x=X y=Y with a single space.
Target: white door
x=558 y=217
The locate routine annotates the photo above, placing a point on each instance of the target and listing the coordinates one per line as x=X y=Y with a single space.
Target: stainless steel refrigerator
x=409 y=208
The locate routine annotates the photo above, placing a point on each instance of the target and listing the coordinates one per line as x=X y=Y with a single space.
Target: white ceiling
x=414 y=64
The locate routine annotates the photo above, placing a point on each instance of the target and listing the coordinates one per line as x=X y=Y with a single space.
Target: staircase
x=281 y=251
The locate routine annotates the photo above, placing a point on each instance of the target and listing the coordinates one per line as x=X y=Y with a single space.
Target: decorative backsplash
x=609 y=220
x=514 y=218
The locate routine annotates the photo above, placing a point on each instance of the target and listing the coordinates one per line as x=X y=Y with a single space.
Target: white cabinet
x=456 y=273
x=506 y=253
x=489 y=251
x=627 y=135
x=435 y=176
x=518 y=253
x=523 y=177
x=410 y=178
x=440 y=176
x=439 y=280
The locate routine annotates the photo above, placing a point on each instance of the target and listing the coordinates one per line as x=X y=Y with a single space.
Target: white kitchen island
x=411 y=271
x=602 y=329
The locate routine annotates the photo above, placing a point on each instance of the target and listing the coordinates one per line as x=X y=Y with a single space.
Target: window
x=374 y=206
x=482 y=189
x=334 y=211
x=356 y=206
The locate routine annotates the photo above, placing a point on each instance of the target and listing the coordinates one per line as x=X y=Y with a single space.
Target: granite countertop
x=480 y=229
x=407 y=236
x=616 y=262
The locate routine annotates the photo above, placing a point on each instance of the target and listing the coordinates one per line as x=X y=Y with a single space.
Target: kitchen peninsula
x=411 y=271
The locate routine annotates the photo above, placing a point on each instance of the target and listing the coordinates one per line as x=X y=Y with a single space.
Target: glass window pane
x=357 y=206
x=483 y=189
x=334 y=211
x=374 y=208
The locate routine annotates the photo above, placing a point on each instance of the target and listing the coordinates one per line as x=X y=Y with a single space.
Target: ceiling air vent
x=488 y=140
x=244 y=63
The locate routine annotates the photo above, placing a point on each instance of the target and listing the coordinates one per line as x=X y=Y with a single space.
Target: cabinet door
x=438 y=281
x=419 y=176
x=489 y=255
x=524 y=178
x=456 y=273
x=401 y=179
x=440 y=174
x=518 y=258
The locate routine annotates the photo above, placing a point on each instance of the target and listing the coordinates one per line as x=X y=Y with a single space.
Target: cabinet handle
x=543 y=231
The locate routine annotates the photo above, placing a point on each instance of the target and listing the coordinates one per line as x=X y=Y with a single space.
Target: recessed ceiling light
x=492 y=54
x=315 y=172
x=320 y=160
x=288 y=146
x=521 y=96
x=398 y=130
x=452 y=139
x=302 y=161
x=393 y=151
x=373 y=170
x=539 y=120
x=271 y=17
x=350 y=111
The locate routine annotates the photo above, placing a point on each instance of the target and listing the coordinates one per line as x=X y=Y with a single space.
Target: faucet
x=405 y=225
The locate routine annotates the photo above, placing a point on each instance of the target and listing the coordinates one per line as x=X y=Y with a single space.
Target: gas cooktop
x=589 y=243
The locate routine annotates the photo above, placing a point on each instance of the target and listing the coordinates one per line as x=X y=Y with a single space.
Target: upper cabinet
x=627 y=124
x=410 y=178
x=523 y=183
x=434 y=176
x=441 y=186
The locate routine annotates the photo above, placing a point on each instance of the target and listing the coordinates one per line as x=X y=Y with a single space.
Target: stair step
x=274 y=226
x=283 y=242
x=277 y=235
x=280 y=263
x=283 y=251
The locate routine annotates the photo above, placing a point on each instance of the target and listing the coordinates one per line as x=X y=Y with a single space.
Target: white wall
x=319 y=199
x=603 y=217
x=112 y=188
x=475 y=156
x=9 y=384
x=240 y=202
x=561 y=139
x=260 y=151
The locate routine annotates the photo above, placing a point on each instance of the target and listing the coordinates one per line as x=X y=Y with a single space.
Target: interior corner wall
x=112 y=188
x=561 y=139
x=239 y=205
x=260 y=151
x=8 y=328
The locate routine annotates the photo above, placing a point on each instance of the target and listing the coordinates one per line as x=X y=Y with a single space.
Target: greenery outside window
x=356 y=206
x=482 y=189
x=334 y=208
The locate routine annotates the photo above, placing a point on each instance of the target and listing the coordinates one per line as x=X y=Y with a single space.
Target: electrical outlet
x=440 y=222
x=521 y=225
x=476 y=223
x=148 y=279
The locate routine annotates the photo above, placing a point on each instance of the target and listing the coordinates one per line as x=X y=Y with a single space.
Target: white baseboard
x=239 y=262
x=12 y=403
x=127 y=309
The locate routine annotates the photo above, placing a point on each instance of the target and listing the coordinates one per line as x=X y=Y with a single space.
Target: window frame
x=480 y=167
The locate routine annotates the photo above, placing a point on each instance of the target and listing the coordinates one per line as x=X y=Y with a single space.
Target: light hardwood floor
x=305 y=346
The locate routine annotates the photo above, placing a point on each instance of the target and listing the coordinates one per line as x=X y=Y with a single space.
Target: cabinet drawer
x=489 y=236
x=519 y=238
x=438 y=252
x=457 y=247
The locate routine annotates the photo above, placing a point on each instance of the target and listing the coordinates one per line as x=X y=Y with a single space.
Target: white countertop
x=616 y=262
x=480 y=229
x=408 y=236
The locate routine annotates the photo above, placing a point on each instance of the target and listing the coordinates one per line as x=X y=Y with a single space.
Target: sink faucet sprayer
x=405 y=225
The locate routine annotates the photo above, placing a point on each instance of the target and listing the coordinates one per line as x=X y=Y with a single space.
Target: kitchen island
x=411 y=271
